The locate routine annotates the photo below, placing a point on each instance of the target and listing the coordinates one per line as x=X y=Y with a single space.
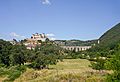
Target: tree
x=99 y=64
x=46 y=55
x=114 y=64
x=42 y=61
x=18 y=55
x=5 y=48
x=47 y=40
x=39 y=41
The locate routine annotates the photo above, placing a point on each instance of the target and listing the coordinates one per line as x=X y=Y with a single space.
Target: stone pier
x=76 y=48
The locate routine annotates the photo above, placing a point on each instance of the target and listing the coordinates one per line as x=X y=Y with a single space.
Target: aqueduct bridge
x=76 y=48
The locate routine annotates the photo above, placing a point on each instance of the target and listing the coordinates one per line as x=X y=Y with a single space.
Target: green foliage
x=5 y=48
x=114 y=64
x=12 y=76
x=11 y=54
x=3 y=71
x=75 y=55
x=13 y=57
x=46 y=55
x=110 y=37
x=98 y=65
x=12 y=73
x=111 y=63
x=16 y=72
x=17 y=58
x=75 y=42
x=40 y=62
x=115 y=77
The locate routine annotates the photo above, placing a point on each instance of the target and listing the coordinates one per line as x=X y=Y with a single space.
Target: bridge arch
x=76 y=48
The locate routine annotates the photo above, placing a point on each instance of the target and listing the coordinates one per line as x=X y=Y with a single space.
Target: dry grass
x=69 y=69
x=72 y=66
x=2 y=78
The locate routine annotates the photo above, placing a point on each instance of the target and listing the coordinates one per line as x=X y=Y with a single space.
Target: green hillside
x=111 y=37
x=75 y=42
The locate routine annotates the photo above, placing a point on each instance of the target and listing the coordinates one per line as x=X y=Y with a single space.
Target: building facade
x=35 y=40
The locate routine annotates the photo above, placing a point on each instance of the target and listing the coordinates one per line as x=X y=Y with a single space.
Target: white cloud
x=46 y=2
x=3 y=36
x=14 y=35
x=50 y=35
x=52 y=38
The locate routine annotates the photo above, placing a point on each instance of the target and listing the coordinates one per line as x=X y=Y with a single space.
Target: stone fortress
x=35 y=40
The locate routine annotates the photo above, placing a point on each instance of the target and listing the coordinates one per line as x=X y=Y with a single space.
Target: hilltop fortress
x=35 y=40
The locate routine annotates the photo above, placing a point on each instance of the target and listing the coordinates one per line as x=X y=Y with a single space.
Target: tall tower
x=98 y=41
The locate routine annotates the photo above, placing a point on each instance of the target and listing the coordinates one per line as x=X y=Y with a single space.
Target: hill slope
x=75 y=42
x=111 y=37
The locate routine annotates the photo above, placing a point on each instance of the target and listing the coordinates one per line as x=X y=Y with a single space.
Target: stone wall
x=76 y=48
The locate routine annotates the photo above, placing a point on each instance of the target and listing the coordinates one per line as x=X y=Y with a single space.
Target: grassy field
x=70 y=70
x=72 y=66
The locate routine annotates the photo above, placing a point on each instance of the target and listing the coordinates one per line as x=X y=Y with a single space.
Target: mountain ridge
x=112 y=36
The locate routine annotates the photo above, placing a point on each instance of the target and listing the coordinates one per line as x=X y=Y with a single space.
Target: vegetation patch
x=75 y=70
x=12 y=73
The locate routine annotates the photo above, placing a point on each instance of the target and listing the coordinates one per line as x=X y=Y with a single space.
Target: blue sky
x=65 y=19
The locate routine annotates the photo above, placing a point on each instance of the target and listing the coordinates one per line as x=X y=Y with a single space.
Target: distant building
x=59 y=42
x=37 y=36
x=35 y=40
x=98 y=41
x=13 y=42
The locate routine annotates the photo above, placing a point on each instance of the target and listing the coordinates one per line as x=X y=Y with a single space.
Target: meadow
x=70 y=70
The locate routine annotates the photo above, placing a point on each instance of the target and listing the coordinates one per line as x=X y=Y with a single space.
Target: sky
x=59 y=19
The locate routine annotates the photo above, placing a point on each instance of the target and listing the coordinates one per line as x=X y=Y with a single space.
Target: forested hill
x=111 y=37
x=75 y=42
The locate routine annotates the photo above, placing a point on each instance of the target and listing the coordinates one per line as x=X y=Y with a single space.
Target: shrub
x=14 y=72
